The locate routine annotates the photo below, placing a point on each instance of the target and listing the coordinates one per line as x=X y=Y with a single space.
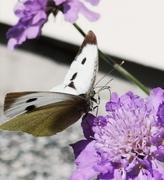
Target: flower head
x=34 y=13
x=128 y=143
x=32 y=17
x=71 y=9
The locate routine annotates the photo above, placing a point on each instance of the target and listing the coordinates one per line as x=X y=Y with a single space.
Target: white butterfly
x=47 y=113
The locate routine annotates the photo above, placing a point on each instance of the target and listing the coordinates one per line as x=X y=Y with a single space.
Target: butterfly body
x=50 y=112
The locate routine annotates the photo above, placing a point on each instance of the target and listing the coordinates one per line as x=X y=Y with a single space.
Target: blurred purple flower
x=34 y=13
x=32 y=17
x=128 y=143
x=71 y=8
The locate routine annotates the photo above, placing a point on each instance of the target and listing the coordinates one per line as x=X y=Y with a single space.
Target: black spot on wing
x=71 y=84
x=30 y=108
x=74 y=76
x=83 y=61
x=31 y=100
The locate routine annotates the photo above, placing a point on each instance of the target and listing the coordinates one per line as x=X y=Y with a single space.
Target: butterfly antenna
x=101 y=88
x=122 y=62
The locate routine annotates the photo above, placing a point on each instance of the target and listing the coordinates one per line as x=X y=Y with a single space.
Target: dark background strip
x=65 y=52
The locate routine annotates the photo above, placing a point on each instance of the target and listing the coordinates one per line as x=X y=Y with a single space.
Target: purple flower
x=128 y=143
x=71 y=8
x=34 y=13
x=32 y=17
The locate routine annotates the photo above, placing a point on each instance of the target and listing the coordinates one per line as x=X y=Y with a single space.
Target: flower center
x=126 y=135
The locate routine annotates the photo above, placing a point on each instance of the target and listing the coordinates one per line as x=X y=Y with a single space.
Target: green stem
x=116 y=66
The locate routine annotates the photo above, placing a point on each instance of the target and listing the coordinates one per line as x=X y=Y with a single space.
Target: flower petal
x=160 y=115
x=32 y=17
x=90 y=15
x=93 y=2
x=159 y=154
x=79 y=146
x=156 y=97
x=58 y=2
x=84 y=161
x=74 y=7
x=87 y=123
x=114 y=102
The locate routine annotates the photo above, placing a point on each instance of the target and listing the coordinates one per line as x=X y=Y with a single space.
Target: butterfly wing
x=42 y=113
x=82 y=73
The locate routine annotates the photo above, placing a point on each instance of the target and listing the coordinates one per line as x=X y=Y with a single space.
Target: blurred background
x=127 y=30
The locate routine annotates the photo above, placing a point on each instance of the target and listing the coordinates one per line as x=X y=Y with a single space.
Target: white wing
x=21 y=102
x=42 y=113
x=82 y=73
